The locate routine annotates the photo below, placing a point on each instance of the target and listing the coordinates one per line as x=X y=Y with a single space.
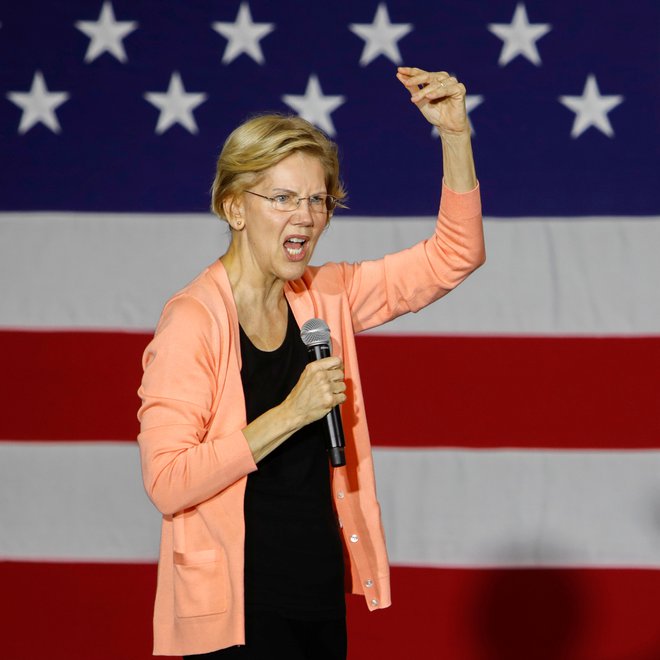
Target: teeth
x=295 y=241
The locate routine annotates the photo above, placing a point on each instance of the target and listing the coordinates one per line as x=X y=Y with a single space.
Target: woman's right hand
x=320 y=388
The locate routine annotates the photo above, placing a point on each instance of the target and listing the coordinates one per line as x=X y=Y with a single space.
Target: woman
x=255 y=527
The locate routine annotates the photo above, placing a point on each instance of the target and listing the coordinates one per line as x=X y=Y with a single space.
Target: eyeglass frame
x=299 y=199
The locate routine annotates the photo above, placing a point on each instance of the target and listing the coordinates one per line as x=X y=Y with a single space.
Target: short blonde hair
x=263 y=141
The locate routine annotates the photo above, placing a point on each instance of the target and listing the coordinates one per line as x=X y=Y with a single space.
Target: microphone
x=315 y=334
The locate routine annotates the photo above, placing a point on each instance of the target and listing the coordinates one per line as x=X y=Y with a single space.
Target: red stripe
x=70 y=611
x=513 y=614
x=71 y=385
x=512 y=392
x=420 y=391
x=103 y=611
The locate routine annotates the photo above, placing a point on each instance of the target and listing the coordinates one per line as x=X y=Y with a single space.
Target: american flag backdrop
x=516 y=423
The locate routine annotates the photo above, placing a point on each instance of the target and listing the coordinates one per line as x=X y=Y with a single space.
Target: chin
x=293 y=271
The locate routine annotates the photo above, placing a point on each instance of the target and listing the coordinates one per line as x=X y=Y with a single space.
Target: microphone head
x=315 y=332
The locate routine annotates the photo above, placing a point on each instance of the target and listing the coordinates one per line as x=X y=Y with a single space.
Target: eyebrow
x=293 y=192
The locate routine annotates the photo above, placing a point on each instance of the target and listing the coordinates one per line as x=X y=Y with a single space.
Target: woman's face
x=280 y=243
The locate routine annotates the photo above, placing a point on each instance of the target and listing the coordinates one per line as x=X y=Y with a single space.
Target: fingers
x=429 y=85
x=440 y=89
x=327 y=376
x=405 y=80
x=327 y=363
x=320 y=388
x=331 y=370
x=413 y=77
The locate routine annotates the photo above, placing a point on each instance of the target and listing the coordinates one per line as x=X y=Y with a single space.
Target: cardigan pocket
x=201 y=582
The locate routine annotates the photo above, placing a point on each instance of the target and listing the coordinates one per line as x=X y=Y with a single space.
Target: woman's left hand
x=439 y=97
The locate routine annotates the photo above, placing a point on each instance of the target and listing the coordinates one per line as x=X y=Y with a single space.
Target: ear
x=234 y=212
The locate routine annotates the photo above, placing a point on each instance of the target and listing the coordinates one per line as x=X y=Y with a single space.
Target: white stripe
x=75 y=501
x=520 y=508
x=84 y=501
x=77 y=270
x=551 y=276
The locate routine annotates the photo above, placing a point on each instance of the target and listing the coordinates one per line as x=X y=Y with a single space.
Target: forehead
x=298 y=172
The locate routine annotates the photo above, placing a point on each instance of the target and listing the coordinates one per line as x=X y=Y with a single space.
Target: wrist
x=458 y=163
x=459 y=138
x=291 y=419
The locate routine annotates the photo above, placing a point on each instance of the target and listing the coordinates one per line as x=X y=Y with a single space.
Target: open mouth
x=295 y=246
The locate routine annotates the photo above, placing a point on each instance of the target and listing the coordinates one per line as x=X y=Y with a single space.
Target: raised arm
x=441 y=99
x=406 y=281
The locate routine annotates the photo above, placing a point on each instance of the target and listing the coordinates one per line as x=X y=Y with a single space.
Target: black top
x=293 y=553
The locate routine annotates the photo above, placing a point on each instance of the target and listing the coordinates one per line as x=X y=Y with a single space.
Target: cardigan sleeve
x=181 y=466
x=381 y=290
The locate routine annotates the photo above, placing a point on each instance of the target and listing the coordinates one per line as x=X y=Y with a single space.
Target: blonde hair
x=263 y=141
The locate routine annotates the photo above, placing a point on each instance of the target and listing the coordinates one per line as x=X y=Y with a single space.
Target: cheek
x=321 y=230
x=263 y=240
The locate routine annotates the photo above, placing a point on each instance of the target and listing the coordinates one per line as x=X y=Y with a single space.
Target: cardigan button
x=369 y=583
x=354 y=538
x=374 y=601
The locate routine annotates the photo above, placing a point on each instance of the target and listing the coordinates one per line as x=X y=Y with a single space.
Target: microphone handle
x=333 y=426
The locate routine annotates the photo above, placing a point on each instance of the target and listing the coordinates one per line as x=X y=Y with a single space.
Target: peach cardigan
x=195 y=458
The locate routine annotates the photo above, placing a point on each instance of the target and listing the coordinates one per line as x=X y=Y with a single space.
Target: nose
x=303 y=214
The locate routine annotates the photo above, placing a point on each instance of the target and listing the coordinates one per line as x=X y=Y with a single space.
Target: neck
x=250 y=286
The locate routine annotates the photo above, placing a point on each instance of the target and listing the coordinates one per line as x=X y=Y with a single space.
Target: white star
x=471 y=102
x=175 y=105
x=106 y=34
x=519 y=37
x=243 y=35
x=591 y=108
x=381 y=36
x=314 y=106
x=38 y=105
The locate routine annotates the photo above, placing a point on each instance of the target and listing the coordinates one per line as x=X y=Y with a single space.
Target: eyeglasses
x=285 y=201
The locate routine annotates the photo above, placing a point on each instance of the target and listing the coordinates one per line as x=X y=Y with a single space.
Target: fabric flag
x=515 y=423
